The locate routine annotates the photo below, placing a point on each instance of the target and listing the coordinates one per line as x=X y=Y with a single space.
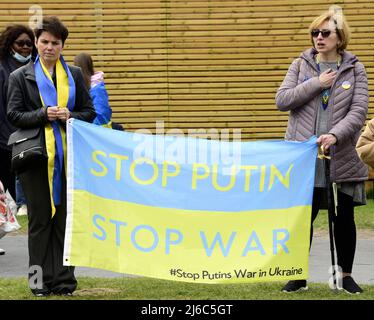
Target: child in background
x=95 y=84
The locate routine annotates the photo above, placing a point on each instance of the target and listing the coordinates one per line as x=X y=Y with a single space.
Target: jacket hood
x=97 y=78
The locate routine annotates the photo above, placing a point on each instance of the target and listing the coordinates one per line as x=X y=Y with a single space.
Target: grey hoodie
x=300 y=93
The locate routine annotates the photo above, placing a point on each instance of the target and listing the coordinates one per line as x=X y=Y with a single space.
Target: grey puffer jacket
x=300 y=93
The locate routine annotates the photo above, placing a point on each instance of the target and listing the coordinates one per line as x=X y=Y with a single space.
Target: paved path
x=14 y=263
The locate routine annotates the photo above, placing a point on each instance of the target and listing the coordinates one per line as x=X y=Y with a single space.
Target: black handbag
x=28 y=147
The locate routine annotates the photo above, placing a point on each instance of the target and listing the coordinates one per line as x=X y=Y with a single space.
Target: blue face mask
x=21 y=58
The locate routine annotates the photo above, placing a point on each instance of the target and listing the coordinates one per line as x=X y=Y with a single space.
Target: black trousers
x=7 y=177
x=344 y=227
x=46 y=234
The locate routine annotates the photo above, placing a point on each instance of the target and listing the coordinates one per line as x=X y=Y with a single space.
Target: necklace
x=338 y=61
x=326 y=92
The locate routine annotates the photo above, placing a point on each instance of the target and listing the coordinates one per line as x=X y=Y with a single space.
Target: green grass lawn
x=152 y=289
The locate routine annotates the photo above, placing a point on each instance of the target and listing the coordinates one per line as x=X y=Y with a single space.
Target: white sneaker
x=22 y=211
x=2 y=251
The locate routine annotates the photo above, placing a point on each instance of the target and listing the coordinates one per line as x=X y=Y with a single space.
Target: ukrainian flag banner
x=188 y=209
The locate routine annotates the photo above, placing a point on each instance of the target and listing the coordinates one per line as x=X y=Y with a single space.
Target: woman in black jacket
x=16 y=49
x=46 y=94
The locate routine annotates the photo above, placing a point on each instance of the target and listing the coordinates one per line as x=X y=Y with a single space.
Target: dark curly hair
x=9 y=35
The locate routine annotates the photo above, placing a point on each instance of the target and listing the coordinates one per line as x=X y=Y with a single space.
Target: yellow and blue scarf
x=62 y=96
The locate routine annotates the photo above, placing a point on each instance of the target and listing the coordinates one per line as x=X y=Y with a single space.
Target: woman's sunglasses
x=325 y=33
x=22 y=43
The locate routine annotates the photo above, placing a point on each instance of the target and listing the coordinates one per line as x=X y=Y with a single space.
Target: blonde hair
x=338 y=22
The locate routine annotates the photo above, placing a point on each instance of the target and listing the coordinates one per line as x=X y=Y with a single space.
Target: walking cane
x=331 y=208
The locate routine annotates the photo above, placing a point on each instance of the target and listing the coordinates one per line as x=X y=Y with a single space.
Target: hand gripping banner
x=188 y=209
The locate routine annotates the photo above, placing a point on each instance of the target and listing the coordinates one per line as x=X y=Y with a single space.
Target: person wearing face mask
x=17 y=48
x=326 y=92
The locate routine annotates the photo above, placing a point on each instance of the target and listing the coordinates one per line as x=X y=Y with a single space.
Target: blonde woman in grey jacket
x=326 y=92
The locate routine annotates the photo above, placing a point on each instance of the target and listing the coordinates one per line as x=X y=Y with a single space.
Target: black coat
x=7 y=66
x=25 y=109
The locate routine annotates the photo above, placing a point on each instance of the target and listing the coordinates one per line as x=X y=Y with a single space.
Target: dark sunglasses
x=22 y=43
x=325 y=33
